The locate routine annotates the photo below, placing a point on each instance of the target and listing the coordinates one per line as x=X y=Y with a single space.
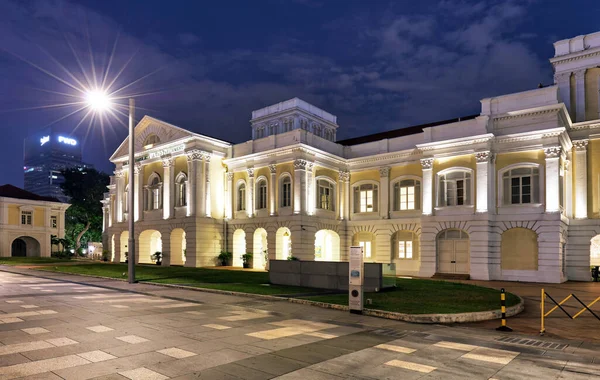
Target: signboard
x=165 y=151
x=67 y=140
x=44 y=140
x=356 y=276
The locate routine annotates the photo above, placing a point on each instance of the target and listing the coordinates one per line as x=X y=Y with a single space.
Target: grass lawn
x=412 y=296
x=417 y=296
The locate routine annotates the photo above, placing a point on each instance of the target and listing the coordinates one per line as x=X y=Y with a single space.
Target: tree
x=85 y=189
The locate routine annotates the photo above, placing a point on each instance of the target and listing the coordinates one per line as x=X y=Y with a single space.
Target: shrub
x=224 y=258
x=293 y=258
x=105 y=255
x=62 y=254
x=157 y=256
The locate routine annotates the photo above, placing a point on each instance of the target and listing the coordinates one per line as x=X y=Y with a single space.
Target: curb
x=412 y=318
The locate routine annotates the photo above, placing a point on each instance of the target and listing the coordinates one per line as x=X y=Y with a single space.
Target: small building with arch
x=28 y=221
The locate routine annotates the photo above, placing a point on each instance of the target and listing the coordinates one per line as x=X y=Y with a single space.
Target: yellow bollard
x=543 y=311
x=503 y=327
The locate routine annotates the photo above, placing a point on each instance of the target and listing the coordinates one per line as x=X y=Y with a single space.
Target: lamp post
x=99 y=101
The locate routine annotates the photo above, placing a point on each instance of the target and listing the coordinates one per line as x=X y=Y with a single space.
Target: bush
x=224 y=258
x=105 y=255
x=157 y=256
x=293 y=258
x=62 y=254
x=247 y=259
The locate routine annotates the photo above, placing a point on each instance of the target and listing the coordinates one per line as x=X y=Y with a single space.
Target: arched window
x=406 y=195
x=325 y=195
x=286 y=191
x=366 y=198
x=261 y=194
x=154 y=192
x=125 y=199
x=241 y=197
x=454 y=188
x=521 y=185
x=151 y=140
x=181 y=190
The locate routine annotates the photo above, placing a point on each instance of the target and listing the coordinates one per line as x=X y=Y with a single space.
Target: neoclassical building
x=512 y=193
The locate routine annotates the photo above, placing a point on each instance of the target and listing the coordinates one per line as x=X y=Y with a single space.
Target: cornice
x=573 y=57
x=521 y=114
x=529 y=136
x=456 y=142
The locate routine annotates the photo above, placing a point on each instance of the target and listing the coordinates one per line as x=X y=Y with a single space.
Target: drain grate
x=533 y=343
x=390 y=332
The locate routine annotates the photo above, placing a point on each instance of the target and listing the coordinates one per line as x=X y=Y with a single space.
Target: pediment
x=150 y=126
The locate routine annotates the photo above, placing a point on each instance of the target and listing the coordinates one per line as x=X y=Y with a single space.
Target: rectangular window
x=26 y=217
x=155 y=199
x=286 y=200
x=366 y=201
x=325 y=195
x=54 y=221
x=262 y=197
x=241 y=198
x=366 y=245
x=405 y=249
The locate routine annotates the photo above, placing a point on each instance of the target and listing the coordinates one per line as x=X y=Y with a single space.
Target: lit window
x=241 y=198
x=26 y=217
x=151 y=140
x=366 y=246
x=154 y=193
x=286 y=192
x=261 y=201
x=53 y=221
x=520 y=186
x=181 y=191
x=325 y=195
x=405 y=249
x=455 y=189
x=407 y=195
x=365 y=198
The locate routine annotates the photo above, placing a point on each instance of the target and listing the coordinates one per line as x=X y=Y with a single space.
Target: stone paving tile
x=41 y=366
x=29 y=306
x=59 y=342
x=96 y=356
x=176 y=353
x=490 y=355
x=193 y=364
x=99 y=329
x=242 y=372
x=109 y=367
x=272 y=364
x=24 y=347
x=132 y=339
x=394 y=348
x=411 y=366
x=307 y=373
x=216 y=327
x=35 y=330
x=11 y=359
x=142 y=374
x=210 y=373
x=42 y=376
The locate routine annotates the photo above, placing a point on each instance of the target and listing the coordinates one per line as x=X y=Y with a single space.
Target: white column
x=344 y=176
x=384 y=190
x=552 y=178
x=201 y=186
x=193 y=156
x=310 y=186
x=300 y=186
x=483 y=175
x=580 y=94
x=580 y=178
x=120 y=180
x=563 y=80
x=138 y=172
x=250 y=195
x=427 y=165
x=104 y=218
x=568 y=193
x=207 y=198
x=272 y=187
x=347 y=196
x=168 y=187
x=229 y=196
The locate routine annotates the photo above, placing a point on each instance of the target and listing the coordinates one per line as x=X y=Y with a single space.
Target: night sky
x=205 y=65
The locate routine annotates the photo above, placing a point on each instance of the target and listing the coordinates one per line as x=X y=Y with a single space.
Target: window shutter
x=417 y=195
x=506 y=191
x=356 y=199
x=375 y=199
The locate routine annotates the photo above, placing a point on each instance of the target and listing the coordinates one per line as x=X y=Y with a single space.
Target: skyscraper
x=45 y=155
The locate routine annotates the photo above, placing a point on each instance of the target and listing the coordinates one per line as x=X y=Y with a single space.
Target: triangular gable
x=148 y=125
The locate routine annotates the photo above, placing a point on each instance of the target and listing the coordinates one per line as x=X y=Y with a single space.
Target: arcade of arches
x=25 y=246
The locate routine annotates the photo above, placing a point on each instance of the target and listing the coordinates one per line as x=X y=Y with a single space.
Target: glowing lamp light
x=98 y=100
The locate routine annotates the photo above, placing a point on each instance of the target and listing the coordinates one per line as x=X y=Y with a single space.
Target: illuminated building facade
x=512 y=193
x=45 y=155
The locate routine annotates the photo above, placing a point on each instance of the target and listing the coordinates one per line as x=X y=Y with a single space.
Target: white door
x=453 y=252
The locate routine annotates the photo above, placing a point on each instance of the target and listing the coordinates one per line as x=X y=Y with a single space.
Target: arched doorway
x=239 y=247
x=260 y=248
x=283 y=243
x=178 y=245
x=25 y=246
x=595 y=251
x=327 y=246
x=124 y=240
x=453 y=252
x=366 y=240
x=150 y=242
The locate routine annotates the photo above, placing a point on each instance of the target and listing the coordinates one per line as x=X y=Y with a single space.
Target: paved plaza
x=55 y=326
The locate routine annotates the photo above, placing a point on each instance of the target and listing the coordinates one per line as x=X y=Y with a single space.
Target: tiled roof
x=10 y=191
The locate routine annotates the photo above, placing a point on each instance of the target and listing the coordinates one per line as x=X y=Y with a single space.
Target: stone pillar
x=580 y=94
x=485 y=182
x=120 y=180
x=207 y=198
x=272 y=189
x=138 y=172
x=229 y=196
x=104 y=218
x=310 y=186
x=166 y=248
x=193 y=156
x=168 y=188
x=568 y=193
x=552 y=178
x=384 y=190
x=300 y=186
x=116 y=249
x=347 y=196
x=581 y=178
x=427 y=165
x=563 y=80
x=344 y=177
x=250 y=193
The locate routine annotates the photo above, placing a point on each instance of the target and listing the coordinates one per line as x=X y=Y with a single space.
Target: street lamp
x=99 y=101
